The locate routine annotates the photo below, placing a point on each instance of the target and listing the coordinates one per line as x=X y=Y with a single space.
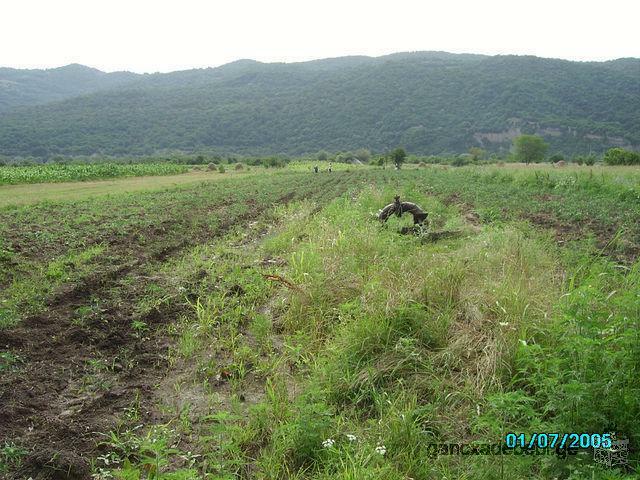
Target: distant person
x=315 y=168
x=329 y=168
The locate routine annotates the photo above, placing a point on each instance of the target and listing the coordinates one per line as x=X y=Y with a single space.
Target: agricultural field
x=268 y=326
x=13 y=175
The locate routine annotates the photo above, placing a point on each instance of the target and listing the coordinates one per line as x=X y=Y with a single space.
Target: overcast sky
x=167 y=35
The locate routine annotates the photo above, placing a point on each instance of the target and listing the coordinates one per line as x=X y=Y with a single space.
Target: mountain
x=33 y=87
x=429 y=102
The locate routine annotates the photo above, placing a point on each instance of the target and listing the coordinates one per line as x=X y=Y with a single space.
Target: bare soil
x=75 y=378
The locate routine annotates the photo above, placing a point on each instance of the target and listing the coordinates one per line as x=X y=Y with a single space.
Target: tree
x=620 y=156
x=398 y=156
x=530 y=148
x=477 y=153
x=345 y=157
x=363 y=155
x=322 y=155
x=556 y=157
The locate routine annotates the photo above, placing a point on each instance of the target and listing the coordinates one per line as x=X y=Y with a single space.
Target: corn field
x=78 y=173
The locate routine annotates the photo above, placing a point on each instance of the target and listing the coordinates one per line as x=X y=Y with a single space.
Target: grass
x=309 y=341
x=392 y=343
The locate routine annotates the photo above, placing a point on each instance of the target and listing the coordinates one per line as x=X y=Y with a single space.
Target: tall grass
x=412 y=343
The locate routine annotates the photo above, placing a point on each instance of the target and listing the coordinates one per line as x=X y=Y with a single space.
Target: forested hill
x=33 y=87
x=428 y=102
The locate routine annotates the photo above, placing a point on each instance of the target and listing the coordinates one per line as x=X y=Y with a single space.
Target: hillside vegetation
x=429 y=102
x=20 y=88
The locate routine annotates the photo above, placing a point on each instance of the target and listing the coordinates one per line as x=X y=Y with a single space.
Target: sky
x=167 y=35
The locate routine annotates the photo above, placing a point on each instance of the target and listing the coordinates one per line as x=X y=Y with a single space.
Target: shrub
x=620 y=156
x=239 y=166
x=211 y=166
x=221 y=169
x=460 y=161
x=273 y=162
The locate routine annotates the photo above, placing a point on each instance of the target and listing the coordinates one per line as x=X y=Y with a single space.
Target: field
x=266 y=325
x=79 y=173
x=24 y=194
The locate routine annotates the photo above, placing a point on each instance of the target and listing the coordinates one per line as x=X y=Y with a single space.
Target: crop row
x=78 y=173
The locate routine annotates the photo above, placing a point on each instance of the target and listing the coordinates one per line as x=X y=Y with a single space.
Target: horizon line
x=405 y=52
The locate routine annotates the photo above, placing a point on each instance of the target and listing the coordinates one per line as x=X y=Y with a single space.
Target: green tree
x=398 y=156
x=620 y=156
x=530 y=148
x=322 y=155
x=477 y=153
x=363 y=155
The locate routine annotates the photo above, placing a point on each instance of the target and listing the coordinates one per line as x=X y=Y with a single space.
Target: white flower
x=523 y=342
x=328 y=443
x=381 y=450
x=503 y=324
x=351 y=438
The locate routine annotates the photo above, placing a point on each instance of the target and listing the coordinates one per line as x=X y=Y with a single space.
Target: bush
x=221 y=169
x=620 y=156
x=211 y=166
x=460 y=161
x=239 y=166
x=273 y=162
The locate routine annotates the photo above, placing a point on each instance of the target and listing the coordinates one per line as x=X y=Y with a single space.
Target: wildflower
x=328 y=443
x=503 y=324
x=523 y=342
x=381 y=450
x=351 y=438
